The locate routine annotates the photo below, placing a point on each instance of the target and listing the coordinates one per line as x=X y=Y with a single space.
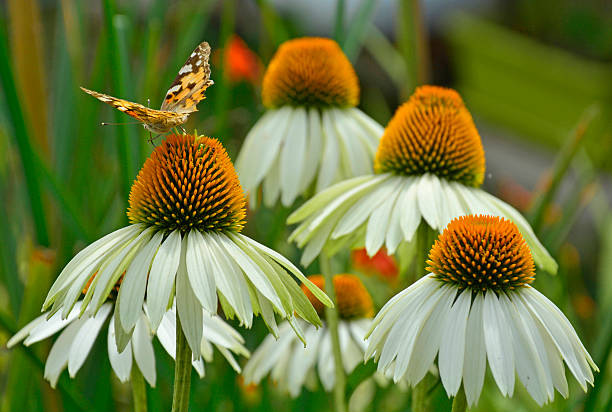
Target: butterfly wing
x=136 y=110
x=192 y=80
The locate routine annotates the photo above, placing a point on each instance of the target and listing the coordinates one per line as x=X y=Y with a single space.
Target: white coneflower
x=291 y=365
x=79 y=334
x=186 y=210
x=429 y=165
x=475 y=306
x=312 y=131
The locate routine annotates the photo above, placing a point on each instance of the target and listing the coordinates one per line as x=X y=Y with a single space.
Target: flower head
x=433 y=132
x=477 y=305
x=186 y=209
x=189 y=182
x=352 y=298
x=308 y=72
x=312 y=135
x=429 y=165
x=291 y=364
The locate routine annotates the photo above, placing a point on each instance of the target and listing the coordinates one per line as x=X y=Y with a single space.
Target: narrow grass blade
x=358 y=29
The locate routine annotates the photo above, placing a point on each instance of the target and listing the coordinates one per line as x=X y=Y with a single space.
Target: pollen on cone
x=482 y=253
x=310 y=71
x=352 y=298
x=433 y=132
x=188 y=182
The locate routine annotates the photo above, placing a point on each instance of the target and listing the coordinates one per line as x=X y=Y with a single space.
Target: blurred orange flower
x=240 y=62
x=380 y=264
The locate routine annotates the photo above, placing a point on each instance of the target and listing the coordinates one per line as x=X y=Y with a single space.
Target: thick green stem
x=182 y=371
x=331 y=316
x=459 y=402
x=139 y=392
x=421 y=401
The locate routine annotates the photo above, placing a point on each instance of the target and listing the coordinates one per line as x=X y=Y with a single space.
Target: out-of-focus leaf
x=357 y=29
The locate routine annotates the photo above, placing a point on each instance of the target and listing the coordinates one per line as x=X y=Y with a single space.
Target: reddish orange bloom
x=240 y=62
x=380 y=264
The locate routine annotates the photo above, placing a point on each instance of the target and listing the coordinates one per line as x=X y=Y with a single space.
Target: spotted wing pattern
x=192 y=80
x=136 y=110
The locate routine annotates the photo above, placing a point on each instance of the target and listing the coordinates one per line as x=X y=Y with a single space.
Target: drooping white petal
x=475 y=352
x=394 y=234
x=410 y=216
x=271 y=185
x=230 y=280
x=161 y=277
x=325 y=362
x=47 y=327
x=143 y=350
x=528 y=364
x=200 y=273
x=351 y=354
x=120 y=362
x=359 y=328
x=293 y=156
x=452 y=346
x=267 y=354
x=111 y=271
x=314 y=148
x=132 y=290
x=374 y=131
x=355 y=155
x=92 y=253
x=304 y=361
x=85 y=339
x=188 y=308
x=25 y=331
x=60 y=351
x=330 y=161
x=261 y=147
x=366 y=203
x=430 y=198
x=499 y=343
x=378 y=222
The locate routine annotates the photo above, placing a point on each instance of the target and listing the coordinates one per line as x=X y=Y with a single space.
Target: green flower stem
x=182 y=371
x=139 y=392
x=459 y=402
x=331 y=315
x=421 y=401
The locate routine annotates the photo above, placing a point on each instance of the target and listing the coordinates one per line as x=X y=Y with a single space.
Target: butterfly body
x=181 y=99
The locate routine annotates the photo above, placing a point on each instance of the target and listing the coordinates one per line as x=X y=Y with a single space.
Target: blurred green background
x=537 y=76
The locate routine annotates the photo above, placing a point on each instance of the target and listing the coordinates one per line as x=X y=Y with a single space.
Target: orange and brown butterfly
x=181 y=99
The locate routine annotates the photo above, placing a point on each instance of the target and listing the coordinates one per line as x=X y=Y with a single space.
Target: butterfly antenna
x=117 y=124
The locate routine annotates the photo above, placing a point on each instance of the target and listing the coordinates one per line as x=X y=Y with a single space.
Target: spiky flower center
x=310 y=72
x=482 y=253
x=433 y=132
x=188 y=182
x=352 y=298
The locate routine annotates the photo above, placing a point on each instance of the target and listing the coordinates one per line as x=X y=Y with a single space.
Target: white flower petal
x=60 y=351
x=261 y=147
x=379 y=219
x=161 y=277
x=293 y=156
x=201 y=276
x=430 y=199
x=325 y=364
x=374 y=131
x=475 y=361
x=120 y=362
x=314 y=150
x=452 y=345
x=356 y=156
x=132 y=290
x=499 y=343
x=166 y=333
x=330 y=160
x=230 y=280
x=85 y=339
x=304 y=361
x=143 y=350
x=271 y=184
x=92 y=253
x=188 y=307
x=42 y=330
x=351 y=354
x=25 y=331
x=410 y=216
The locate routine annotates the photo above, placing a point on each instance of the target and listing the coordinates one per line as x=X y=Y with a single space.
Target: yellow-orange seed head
x=433 y=132
x=352 y=298
x=482 y=253
x=310 y=71
x=188 y=182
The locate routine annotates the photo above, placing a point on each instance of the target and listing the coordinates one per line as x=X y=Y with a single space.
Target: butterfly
x=181 y=99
